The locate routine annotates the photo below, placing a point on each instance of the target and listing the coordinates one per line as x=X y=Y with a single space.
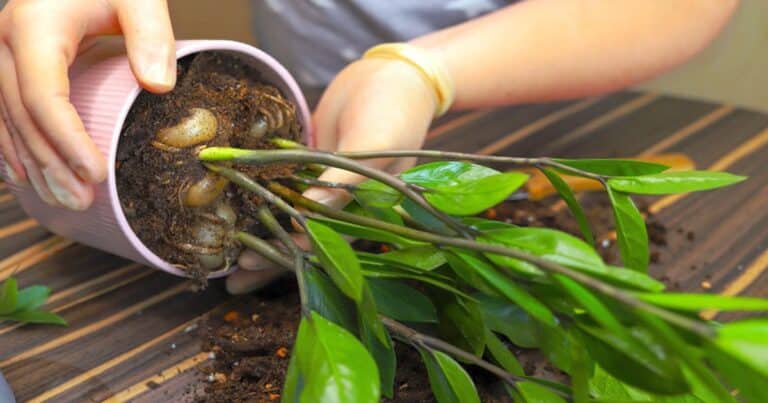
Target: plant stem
x=449 y=155
x=422 y=340
x=606 y=289
x=247 y=183
x=325 y=184
x=309 y=156
x=268 y=219
x=265 y=249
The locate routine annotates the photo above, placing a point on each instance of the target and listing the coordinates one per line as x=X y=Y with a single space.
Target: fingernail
x=157 y=73
x=61 y=194
x=44 y=194
x=10 y=173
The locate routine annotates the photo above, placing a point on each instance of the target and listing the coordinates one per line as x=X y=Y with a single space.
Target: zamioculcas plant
x=473 y=287
x=23 y=305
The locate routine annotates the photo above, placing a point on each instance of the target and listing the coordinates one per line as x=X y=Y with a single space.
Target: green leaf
x=402 y=302
x=468 y=274
x=631 y=279
x=325 y=299
x=700 y=302
x=555 y=246
x=748 y=381
x=41 y=317
x=460 y=323
x=591 y=304
x=373 y=271
x=384 y=355
x=368 y=314
x=614 y=167
x=462 y=188
x=580 y=374
x=674 y=182
x=450 y=383
x=746 y=340
x=631 y=233
x=559 y=345
x=483 y=224
x=376 y=194
x=337 y=258
x=502 y=355
x=423 y=257
x=32 y=297
x=363 y=232
x=295 y=379
x=649 y=367
x=424 y=218
x=509 y=320
x=567 y=195
x=506 y=287
x=8 y=296
x=531 y=392
x=334 y=365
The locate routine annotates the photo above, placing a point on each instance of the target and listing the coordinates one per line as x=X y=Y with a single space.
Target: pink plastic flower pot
x=103 y=90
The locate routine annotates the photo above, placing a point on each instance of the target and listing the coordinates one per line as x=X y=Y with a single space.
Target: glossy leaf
x=574 y=206
x=631 y=233
x=502 y=355
x=384 y=355
x=587 y=300
x=484 y=224
x=337 y=258
x=424 y=218
x=674 y=182
x=629 y=360
x=372 y=271
x=334 y=365
x=746 y=340
x=326 y=299
x=531 y=392
x=468 y=274
x=631 y=279
x=368 y=315
x=748 y=381
x=8 y=296
x=559 y=345
x=402 y=302
x=556 y=246
x=614 y=167
x=424 y=257
x=460 y=323
x=376 y=194
x=32 y=297
x=700 y=302
x=295 y=378
x=507 y=287
x=509 y=320
x=40 y=317
x=449 y=382
x=362 y=232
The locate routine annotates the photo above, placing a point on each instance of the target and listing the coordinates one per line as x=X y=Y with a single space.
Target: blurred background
x=732 y=70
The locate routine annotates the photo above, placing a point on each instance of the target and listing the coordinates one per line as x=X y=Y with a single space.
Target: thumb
x=149 y=41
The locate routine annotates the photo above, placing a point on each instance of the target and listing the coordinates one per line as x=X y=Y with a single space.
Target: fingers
x=49 y=174
x=149 y=40
x=43 y=89
x=13 y=168
x=244 y=281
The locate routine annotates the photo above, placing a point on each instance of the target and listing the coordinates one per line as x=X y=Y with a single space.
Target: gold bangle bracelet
x=429 y=67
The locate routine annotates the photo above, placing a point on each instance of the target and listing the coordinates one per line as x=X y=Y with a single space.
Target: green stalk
x=260 y=157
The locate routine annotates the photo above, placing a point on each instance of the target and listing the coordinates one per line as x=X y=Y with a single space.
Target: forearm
x=541 y=50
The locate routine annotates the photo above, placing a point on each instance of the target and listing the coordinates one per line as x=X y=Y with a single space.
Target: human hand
x=42 y=138
x=372 y=105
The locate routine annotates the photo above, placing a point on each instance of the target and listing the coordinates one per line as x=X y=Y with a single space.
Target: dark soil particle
x=248 y=343
x=153 y=180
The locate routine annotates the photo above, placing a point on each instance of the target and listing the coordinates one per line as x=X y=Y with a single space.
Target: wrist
x=429 y=68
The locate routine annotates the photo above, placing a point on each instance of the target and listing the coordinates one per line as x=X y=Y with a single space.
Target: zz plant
x=474 y=287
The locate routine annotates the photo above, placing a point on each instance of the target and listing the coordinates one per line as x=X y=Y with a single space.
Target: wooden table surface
x=131 y=327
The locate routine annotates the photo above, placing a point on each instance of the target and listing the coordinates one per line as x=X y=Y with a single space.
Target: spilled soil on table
x=252 y=343
x=179 y=210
